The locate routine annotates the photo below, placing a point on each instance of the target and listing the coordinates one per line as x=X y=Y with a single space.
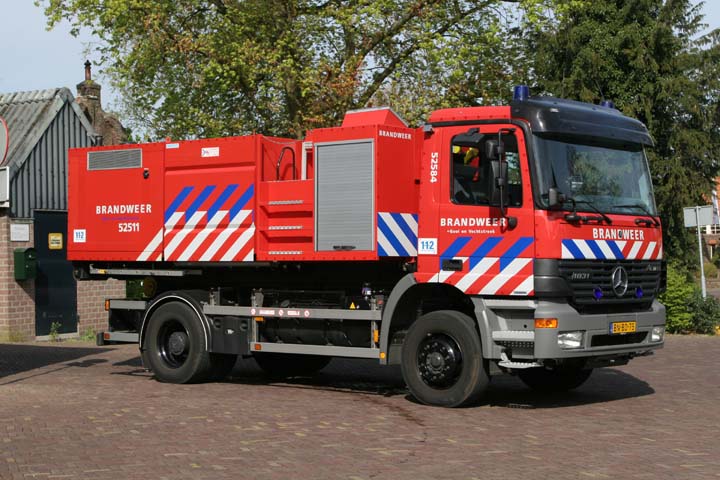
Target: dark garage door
x=55 y=289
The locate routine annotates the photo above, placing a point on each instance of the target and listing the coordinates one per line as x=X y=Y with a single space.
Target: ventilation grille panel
x=114 y=159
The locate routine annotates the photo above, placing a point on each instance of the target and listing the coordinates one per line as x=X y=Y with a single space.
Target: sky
x=32 y=58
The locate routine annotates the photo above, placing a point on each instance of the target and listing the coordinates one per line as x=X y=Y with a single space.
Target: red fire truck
x=518 y=239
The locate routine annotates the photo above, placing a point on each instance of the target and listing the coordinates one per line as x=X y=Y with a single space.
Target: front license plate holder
x=623 y=327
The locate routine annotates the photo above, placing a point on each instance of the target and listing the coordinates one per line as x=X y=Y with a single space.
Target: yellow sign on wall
x=55 y=241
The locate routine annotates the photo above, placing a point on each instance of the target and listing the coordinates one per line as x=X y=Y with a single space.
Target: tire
x=442 y=361
x=282 y=365
x=560 y=379
x=175 y=344
x=221 y=364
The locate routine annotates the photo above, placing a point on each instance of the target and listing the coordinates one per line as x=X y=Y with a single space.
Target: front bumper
x=520 y=341
x=597 y=340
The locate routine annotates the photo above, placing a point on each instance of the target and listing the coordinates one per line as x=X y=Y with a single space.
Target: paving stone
x=77 y=411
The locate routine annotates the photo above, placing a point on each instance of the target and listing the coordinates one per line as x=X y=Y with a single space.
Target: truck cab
x=542 y=213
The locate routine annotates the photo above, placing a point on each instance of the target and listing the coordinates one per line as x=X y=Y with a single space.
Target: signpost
x=696 y=217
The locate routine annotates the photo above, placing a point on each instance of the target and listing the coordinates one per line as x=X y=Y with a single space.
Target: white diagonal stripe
x=184 y=232
x=239 y=244
x=250 y=257
x=605 y=248
x=649 y=251
x=385 y=244
x=443 y=275
x=585 y=249
x=525 y=287
x=225 y=234
x=566 y=253
x=505 y=276
x=400 y=235
x=410 y=220
x=155 y=242
x=202 y=236
x=173 y=220
x=480 y=269
x=634 y=250
x=151 y=247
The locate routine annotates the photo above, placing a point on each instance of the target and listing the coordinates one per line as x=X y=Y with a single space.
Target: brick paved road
x=82 y=412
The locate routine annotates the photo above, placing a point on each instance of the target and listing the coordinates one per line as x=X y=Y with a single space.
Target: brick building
x=41 y=126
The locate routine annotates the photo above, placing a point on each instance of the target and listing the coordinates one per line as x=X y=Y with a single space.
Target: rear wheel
x=560 y=379
x=283 y=365
x=442 y=360
x=175 y=343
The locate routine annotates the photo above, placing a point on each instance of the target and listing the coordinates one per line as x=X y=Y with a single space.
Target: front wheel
x=442 y=361
x=560 y=379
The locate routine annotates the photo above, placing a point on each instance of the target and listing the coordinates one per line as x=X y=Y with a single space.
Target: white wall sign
x=19 y=232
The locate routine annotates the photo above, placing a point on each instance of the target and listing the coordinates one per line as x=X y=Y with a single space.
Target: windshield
x=612 y=178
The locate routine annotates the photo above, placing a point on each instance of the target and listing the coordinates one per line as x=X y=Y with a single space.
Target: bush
x=677 y=299
x=711 y=271
x=705 y=314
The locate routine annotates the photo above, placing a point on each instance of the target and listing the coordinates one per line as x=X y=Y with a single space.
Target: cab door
x=477 y=248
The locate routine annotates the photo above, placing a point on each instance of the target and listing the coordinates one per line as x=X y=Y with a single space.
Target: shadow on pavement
x=605 y=385
x=368 y=377
x=18 y=358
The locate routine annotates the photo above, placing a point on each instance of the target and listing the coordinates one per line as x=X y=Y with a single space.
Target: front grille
x=587 y=278
x=622 y=339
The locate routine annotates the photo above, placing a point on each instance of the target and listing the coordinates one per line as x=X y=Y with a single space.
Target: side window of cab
x=472 y=172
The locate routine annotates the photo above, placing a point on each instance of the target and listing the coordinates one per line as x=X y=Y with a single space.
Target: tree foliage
x=648 y=57
x=219 y=67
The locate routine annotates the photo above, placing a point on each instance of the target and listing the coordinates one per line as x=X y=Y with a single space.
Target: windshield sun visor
x=580 y=119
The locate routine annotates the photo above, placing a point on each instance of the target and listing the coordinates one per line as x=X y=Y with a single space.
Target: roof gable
x=28 y=116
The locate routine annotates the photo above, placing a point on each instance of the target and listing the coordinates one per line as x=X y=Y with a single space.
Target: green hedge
x=687 y=311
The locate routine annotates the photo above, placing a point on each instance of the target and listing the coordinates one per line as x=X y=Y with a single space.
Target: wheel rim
x=439 y=360
x=173 y=344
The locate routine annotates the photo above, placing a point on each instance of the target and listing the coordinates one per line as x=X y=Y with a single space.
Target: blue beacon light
x=607 y=104
x=521 y=92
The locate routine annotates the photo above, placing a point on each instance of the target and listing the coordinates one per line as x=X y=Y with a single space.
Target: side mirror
x=494 y=149
x=555 y=197
x=497 y=187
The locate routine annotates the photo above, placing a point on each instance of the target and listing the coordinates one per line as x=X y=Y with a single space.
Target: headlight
x=657 y=334
x=569 y=340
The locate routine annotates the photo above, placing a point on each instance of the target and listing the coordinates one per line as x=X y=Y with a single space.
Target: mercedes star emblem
x=619 y=281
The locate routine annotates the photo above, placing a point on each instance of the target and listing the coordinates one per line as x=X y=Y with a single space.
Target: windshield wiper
x=645 y=210
x=574 y=217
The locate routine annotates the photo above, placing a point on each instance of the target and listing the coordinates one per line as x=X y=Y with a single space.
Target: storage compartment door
x=345 y=196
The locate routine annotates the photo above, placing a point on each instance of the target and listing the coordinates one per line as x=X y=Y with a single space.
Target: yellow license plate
x=623 y=327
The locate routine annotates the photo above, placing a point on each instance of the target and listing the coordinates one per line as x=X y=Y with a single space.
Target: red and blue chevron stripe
x=490 y=266
x=209 y=223
x=397 y=234
x=578 y=249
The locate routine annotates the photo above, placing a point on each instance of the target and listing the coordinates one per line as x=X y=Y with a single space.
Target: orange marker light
x=546 y=323
x=258 y=347
x=107 y=305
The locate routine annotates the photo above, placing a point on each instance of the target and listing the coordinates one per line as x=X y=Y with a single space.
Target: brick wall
x=91 y=296
x=17 y=298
